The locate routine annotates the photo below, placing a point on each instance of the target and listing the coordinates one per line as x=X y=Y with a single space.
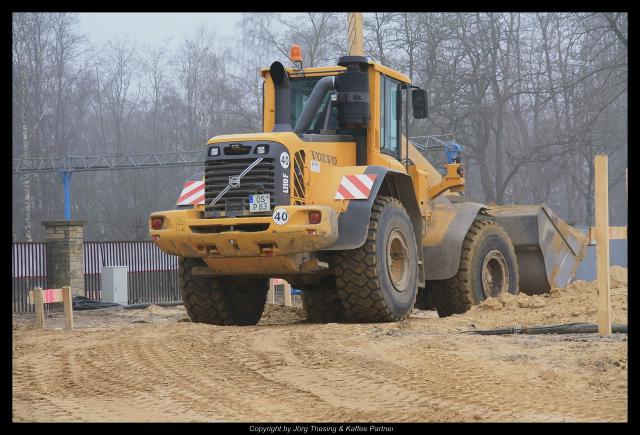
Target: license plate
x=259 y=203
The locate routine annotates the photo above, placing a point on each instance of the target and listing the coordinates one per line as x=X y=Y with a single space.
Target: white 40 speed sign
x=280 y=216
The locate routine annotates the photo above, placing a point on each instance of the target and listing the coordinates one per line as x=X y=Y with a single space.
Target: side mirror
x=419 y=103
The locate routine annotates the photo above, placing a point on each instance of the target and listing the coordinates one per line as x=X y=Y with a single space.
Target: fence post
x=68 y=308
x=602 y=244
x=39 y=306
x=271 y=293
x=287 y=294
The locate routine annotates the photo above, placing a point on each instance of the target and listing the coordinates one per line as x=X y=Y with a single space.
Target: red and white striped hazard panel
x=192 y=193
x=355 y=186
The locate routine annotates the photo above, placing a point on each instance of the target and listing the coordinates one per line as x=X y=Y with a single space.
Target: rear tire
x=378 y=281
x=321 y=303
x=488 y=268
x=221 y=300
x=424 y=300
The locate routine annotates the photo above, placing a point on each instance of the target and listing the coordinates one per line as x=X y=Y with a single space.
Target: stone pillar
x=65 y=255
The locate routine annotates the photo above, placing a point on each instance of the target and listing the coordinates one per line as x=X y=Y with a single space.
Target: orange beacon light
x=295 y=53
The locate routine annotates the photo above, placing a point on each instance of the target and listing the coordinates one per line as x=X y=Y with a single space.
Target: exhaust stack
x=283 y=97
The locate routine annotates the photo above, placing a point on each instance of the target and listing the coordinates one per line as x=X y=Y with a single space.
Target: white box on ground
x=114 y=284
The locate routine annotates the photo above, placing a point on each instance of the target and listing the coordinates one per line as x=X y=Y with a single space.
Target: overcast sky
x=156 y=27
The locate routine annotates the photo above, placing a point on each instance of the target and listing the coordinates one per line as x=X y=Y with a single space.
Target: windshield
x=300 y=91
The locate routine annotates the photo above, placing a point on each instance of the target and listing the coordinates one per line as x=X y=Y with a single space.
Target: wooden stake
x=68 y=308
x=39 y=305
x=355 y=33
x=602 y=244
x=287 y=294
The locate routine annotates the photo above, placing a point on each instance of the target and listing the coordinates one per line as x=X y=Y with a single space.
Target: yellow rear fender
x=353 y=220
x=352 y=191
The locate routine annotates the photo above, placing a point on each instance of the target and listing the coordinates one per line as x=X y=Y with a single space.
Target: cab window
x=300 y=91
x=389 y=119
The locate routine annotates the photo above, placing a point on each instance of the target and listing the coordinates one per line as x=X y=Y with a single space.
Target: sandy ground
x=155 y=365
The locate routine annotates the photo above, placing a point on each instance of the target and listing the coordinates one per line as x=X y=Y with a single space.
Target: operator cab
x=336 y=104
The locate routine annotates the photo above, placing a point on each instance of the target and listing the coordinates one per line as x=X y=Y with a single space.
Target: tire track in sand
x=192 y=372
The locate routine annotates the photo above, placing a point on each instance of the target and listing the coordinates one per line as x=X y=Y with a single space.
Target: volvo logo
x=234 y=182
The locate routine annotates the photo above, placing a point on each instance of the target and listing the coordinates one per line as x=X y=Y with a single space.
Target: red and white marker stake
x=39 y=297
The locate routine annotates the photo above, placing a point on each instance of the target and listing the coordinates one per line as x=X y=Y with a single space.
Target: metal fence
x=278 y=296
x=152 y=277
x=28 y=270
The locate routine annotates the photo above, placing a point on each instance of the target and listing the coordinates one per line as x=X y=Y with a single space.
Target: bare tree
x=532 y=97
x=31 y=37
x=320 y=35
x=121 y=87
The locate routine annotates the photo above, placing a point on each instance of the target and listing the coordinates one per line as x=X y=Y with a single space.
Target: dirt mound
x=578 y=302
x=272 y=315
x=151 y=313
x=151 y=310
x=279 y=314
x=618 y=276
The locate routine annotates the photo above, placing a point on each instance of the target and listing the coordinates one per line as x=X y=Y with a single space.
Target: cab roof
x=323 y=70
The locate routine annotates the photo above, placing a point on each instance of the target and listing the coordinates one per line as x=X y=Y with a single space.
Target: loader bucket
x=548 y=249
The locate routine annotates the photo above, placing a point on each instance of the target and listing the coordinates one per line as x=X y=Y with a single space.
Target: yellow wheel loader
x=334 y=198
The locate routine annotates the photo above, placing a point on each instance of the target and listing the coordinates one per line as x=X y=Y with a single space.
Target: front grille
x=236 y=201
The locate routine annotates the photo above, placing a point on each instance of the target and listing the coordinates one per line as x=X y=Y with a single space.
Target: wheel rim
x=495 y=274
x=398 y=260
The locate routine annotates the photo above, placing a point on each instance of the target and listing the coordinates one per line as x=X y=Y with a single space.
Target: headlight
x=214 y=151
x=262 y=149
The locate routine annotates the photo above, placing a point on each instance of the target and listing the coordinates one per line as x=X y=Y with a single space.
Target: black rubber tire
x=424 y=300
x=321 y=303
x=364 y=287
x=221 y=300
x=457 y=294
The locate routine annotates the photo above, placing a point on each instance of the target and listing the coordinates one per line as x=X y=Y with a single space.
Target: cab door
x=390 y=110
